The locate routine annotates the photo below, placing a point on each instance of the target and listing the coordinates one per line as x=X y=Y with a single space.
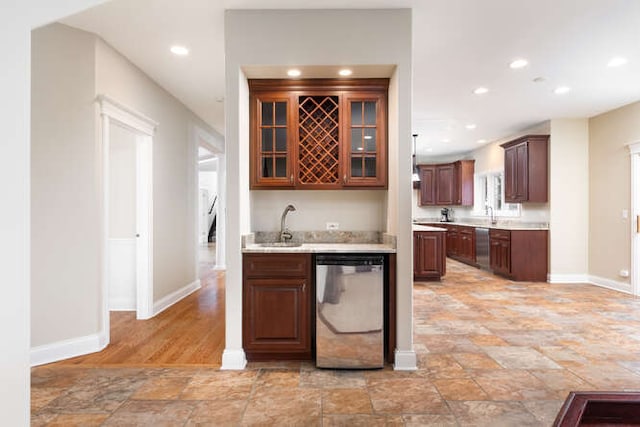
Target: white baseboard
x=610 y=284
x=167 y=301
x=233 y=360
x=405 y=360
x=66 y=349
x=568 y=278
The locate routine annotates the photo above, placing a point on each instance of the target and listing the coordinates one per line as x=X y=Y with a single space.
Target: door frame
x=634 y=150
x=144 y=128
x=200 y=137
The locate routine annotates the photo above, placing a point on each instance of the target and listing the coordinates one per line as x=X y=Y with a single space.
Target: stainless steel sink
x=280 y=244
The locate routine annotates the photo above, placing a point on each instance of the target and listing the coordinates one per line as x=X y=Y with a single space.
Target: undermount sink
x=280 y=244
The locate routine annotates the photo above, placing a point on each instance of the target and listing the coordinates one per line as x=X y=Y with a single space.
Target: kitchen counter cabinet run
x=429 y=255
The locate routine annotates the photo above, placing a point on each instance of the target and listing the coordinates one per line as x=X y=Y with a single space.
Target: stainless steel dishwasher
x=349 y=311
x=482 y=248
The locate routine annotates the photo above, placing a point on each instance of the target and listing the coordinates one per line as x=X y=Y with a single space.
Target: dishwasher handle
x=351 y=260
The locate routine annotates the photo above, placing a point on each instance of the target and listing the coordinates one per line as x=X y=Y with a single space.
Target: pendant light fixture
x=415 y=178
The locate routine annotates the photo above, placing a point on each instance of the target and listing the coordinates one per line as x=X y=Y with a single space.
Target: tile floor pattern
x=491 y=353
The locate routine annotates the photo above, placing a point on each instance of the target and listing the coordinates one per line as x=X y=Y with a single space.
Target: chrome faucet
x=285 y=234
x=493 y=218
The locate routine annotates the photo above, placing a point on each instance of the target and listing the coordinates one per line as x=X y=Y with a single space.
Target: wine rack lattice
x=318 y=147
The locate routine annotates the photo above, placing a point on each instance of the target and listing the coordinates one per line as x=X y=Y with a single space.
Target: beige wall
x=609 y=192
x=65 y=238
x=174 y=171
x=569 y=200
x=353 y=210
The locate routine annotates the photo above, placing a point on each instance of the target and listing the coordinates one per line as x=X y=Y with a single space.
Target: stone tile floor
x=491 y=353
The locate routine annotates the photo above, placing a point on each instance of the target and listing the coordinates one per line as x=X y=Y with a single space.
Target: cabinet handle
x=291 y=178
x=304 y=286
x=344 y=178
x=638 y=224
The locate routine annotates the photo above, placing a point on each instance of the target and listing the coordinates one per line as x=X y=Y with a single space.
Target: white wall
x=65 y=239
x=353 y=210
x=569 y=200
x=16 y=22
x=260 y=37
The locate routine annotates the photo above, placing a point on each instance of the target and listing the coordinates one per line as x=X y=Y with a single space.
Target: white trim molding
x=168 y=300
x=66 y=349
x=568 y=278
x=233 y=360
x=126 y=115
x=405 y=360
x=634 y=151
x=610 y=284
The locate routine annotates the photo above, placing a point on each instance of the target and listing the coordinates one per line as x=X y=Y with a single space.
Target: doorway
x=127 y=279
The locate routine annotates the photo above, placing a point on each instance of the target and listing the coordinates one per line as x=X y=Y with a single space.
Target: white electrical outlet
x=624 y=273
x=333 y=226
x=625 y=214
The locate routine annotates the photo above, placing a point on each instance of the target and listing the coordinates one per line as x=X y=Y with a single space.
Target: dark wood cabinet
x=526 y=169
x=520 y=255
x=318 y=133
x=467 y=244
x=447 y=184
x=277 y=306
x=500 y=251
x=429 y=255
x=452 y=240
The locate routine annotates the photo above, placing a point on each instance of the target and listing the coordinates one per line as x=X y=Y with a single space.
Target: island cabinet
x=318 y=134
x=526 y=169
x=429 y=259
x=519 y=255
x=447 y=184
x=277 y=306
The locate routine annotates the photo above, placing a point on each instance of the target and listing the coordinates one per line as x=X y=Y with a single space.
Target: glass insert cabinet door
x=366 y=133
x=272 y=141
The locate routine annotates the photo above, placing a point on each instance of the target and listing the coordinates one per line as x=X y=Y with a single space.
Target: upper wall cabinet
x=447 y=184
x=318 y=133
x=526 y=169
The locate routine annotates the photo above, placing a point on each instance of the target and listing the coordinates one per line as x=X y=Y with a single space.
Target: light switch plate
x=625 y=214
x=624 y=273
x=333 y=226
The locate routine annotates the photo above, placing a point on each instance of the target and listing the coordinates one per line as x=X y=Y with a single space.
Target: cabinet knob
x=291 y=178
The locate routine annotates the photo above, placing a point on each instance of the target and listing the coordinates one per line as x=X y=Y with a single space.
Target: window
x=489 y=192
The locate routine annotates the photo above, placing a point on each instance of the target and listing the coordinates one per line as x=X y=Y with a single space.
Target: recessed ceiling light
x=470 y=126
x=617 y=61
x=294 y=72
x=429 y=150
x=518 y=63
x=480 y=90
x=179 y=50
x=561 y=90
x=446 y=140
x=481 y=141
x=345 y=72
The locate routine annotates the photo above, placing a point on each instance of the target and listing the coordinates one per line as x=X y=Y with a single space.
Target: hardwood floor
x=191 y=332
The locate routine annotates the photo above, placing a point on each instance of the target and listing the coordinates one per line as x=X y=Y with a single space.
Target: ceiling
x=458 y=46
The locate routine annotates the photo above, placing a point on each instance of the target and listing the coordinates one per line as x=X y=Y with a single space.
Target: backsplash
x=322 y=236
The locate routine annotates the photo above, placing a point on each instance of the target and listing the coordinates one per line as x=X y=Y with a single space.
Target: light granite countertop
x=322 y=248
x=501 y=225
x=417 y=227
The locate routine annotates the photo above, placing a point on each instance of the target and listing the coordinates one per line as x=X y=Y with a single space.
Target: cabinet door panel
x=522 y=172
x=428 y=255
x=276 y=312
x=427 y=185
x=365 y=151
x=445 y=183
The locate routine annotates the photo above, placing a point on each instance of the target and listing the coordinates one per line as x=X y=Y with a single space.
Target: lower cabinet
x=520 y=255
x=277 y=306
x=429 y=257
x=467 y=245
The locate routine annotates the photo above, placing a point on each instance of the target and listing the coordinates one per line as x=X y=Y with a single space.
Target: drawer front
x=499 y=234
x=276 y=265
